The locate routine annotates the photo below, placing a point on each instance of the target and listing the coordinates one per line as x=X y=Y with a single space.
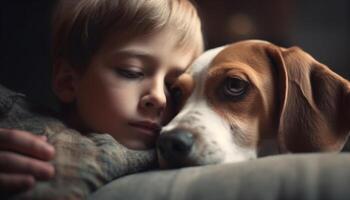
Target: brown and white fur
x=237 y=96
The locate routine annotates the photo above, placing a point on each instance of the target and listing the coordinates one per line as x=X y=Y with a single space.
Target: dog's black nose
x=175 y=145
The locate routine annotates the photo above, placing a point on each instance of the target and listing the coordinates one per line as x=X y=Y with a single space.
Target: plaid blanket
x=83 y=163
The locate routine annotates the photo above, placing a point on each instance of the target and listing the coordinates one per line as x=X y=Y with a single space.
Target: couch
x=293 y=176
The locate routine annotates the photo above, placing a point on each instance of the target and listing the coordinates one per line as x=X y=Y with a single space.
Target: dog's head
x=234 y=97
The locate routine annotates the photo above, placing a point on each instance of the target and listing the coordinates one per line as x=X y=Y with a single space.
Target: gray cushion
x=294 y=176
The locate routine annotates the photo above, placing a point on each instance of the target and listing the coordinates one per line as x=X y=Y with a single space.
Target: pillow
x=288 y=177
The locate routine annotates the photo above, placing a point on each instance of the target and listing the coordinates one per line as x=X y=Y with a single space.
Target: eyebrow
x=145 y=56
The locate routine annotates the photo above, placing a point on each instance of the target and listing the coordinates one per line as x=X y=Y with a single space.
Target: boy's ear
x=63 y=81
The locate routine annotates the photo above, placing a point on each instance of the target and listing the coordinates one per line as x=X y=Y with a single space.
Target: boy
x=114 y=63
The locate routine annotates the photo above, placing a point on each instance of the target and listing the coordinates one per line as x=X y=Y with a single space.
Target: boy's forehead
x=118 y=39
x=115 y=39
x=142 y=45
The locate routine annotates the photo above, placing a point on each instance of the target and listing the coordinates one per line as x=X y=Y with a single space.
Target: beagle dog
x=235 y=97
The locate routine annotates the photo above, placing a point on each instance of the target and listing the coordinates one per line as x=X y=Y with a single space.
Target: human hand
x=23 y=160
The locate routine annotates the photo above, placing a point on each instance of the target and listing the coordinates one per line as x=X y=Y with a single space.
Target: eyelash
x=130 y=74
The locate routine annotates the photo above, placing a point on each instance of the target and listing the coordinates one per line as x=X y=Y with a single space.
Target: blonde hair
x=81 y=26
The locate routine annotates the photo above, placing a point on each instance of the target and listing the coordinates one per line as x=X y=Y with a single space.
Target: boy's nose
x=155 y=98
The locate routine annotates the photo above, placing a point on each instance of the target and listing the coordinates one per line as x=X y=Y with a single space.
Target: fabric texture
x=83 y=163
x=288 y=177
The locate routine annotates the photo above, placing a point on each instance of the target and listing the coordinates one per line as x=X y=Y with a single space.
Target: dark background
x=321 y=28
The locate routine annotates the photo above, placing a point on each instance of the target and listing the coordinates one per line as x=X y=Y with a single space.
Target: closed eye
x=129 y=73
x=180 y=90
x=176 y=94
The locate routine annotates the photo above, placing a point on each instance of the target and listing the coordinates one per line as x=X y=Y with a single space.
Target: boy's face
x=123 y=91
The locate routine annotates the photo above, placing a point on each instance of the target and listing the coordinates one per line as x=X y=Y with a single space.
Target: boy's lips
x=147 y=128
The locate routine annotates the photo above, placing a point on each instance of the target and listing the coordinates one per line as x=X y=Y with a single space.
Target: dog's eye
x=176 y=94
x=234 y=87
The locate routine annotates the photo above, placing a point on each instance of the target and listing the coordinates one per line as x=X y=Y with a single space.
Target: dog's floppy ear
x=314 y=103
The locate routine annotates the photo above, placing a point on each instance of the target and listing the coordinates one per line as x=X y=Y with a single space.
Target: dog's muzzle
x=175 y=146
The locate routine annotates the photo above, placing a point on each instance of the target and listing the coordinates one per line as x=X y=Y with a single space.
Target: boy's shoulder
x=18 y=112
x=83 y=162
x=7 y=99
